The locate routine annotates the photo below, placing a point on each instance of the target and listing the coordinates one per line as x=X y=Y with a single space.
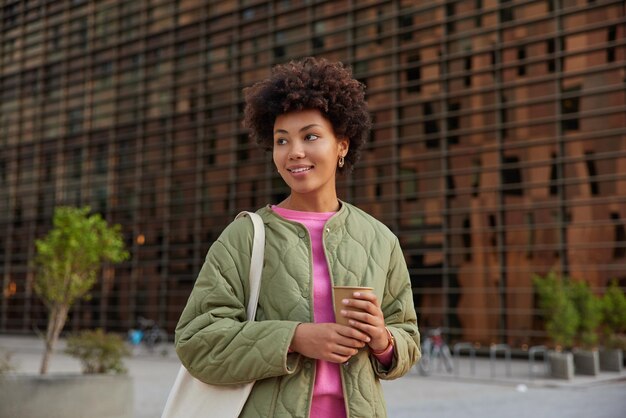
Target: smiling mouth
x=299 y=169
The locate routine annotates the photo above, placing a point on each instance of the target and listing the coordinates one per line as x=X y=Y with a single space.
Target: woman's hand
x=369 y=318
x=328 y=341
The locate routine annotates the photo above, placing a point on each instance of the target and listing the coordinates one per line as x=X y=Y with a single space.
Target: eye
x=280 y=141
x=311 y=137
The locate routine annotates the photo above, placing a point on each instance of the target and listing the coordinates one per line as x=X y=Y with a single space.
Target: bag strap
x=256 y=261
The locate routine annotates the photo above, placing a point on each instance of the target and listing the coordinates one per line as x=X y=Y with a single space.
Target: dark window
x=3 y=171
x=380 y=175
x=101 y=159
x=554 y=176
x=450 y=185
x=75 y=121
x=493 y=226
x=373 y=132
x=379 y=27
x=506 y=11
x=467 y=239
x=414 y=74
x=611 y=38
x=592 y=172
x=405 y=23
x=453 y=122
x=430 y=127
x=530 y=244
x=209 y=154
x=77 y=163
x=476 y=165
x=478 y=19
x=101 y=199
x=126 y=153
x=569 y=109
x=450 y=12
x=551 y=48
x=279 y=51
x=521 y=57
x=467 y=66
x=317 y=42
x=17 y=215
x=619 y=251
x=243 y=148
x=512 y=177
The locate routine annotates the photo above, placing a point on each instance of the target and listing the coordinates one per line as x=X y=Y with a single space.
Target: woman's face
x=306 y=152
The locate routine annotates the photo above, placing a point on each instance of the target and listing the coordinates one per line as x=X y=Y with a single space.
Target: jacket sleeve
x=213 y=340
x=400 y=318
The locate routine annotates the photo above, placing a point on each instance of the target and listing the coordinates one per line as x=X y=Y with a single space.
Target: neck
x=293 y=202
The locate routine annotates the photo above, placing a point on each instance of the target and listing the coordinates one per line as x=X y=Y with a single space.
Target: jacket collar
x=335 y=221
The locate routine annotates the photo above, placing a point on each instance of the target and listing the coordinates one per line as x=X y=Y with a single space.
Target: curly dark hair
x=310 y=83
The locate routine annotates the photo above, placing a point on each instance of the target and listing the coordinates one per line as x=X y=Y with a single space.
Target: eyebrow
x=305 y=128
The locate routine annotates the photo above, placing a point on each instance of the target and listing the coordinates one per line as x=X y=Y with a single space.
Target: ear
x=343 y=145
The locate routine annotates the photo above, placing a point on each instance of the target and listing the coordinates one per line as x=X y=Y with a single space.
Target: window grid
x=498 y=149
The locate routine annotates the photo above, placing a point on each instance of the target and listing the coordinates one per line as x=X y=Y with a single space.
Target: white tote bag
x=190 y=397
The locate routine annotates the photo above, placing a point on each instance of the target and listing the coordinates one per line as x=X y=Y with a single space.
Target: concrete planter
x=587 y=362
x=66 y=396
x=611 y=360
x=561 y=365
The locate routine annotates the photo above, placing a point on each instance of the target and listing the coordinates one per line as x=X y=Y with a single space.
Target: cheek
x=276 y=157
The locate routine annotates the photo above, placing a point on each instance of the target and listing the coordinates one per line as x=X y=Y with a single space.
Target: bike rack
x=493 y=350
x=532 y=352
x=457 y=353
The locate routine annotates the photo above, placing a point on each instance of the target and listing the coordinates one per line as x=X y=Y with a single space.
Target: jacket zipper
x=311 y=312
x=332 y=283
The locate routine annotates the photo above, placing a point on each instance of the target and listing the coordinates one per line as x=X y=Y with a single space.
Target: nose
x=296 y=151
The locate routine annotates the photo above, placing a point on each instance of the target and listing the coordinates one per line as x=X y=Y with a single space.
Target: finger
x=335 y=358
x=363 y=305
x=365 y=317
x=355 y=342
x=369 y=329
x=375 y=333
x=344 y=351
x=368 y=296
x=350 y=333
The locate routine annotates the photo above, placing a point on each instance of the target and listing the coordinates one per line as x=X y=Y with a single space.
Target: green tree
x=589 y=309
x=613 y=315
x=98 y=351
x=68 y=260
x=560 y=315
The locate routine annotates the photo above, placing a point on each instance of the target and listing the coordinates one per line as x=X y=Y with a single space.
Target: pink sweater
x=328 y=399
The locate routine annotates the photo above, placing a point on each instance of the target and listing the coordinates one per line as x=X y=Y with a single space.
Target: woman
x=313 y=117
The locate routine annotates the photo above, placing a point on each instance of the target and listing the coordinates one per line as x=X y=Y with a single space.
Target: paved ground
x=440 y=395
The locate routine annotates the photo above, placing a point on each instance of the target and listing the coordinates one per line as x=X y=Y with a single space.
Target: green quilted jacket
x=217 y=345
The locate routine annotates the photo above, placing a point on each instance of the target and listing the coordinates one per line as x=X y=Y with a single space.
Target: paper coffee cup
x=345 y=292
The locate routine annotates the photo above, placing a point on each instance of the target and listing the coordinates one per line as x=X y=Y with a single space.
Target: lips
x=298 y=170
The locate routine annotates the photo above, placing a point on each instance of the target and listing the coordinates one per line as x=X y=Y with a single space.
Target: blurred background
x=498 y=149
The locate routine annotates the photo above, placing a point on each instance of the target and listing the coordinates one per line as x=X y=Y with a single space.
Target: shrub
x=589 y=309
x=560 y=315
x=614 y=316
x=99 y=352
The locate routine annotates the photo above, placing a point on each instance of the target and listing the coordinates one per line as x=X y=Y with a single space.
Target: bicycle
x=434 y=350
x=148 y=333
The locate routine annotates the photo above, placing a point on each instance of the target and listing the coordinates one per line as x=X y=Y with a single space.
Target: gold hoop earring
x=341 y=162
